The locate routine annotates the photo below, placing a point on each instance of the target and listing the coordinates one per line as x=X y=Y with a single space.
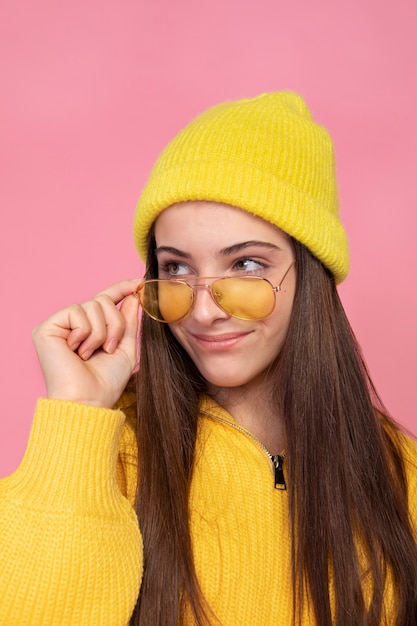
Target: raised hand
x=88 y=351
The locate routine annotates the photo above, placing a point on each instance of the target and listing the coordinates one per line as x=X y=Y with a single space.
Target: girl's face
x=208 y=239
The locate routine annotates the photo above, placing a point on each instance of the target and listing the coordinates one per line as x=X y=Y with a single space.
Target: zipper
x=277 y=460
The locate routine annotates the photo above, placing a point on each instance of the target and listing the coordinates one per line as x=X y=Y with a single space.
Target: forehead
x=213 y=223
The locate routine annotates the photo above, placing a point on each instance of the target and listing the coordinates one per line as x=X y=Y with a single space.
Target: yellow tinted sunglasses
x=245 y=297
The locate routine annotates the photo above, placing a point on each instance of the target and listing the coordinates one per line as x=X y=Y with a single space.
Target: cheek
x=280 y=320
x=176 y=331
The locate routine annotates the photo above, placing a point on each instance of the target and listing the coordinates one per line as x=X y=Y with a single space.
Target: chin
x=228 y=380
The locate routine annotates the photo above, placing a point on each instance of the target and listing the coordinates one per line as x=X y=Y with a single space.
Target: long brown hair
x=346 y=477
x=346 y=473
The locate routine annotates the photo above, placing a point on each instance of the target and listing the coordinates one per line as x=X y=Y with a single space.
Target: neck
x=251 y=405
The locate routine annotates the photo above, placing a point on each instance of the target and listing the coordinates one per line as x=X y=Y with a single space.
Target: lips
x=225 y=341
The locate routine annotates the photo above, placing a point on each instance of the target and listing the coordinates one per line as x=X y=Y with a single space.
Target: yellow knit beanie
x=264 y=155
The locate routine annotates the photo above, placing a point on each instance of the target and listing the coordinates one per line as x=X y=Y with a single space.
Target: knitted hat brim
x=249 y=189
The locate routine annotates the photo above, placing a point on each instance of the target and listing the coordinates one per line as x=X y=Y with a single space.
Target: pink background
x=92 y=90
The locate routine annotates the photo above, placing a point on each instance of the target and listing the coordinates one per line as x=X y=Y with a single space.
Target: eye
x=173 y=268
x=248 y=265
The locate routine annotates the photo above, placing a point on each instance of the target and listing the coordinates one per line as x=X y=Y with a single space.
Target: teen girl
x=250 y=449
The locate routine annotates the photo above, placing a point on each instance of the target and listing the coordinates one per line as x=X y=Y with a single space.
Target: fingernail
x=111 y=346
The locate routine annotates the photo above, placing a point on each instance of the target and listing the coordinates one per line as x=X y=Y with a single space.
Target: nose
x=205 y=309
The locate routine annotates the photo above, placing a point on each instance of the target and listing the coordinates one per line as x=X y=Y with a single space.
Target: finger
x=71 y=325
x=115 y=322
x=107 y=326
x=119 y=291
x=98 y=319
x=77 y=324
x=130 y=310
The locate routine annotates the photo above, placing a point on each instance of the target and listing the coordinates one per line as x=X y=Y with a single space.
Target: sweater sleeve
x=70 y=547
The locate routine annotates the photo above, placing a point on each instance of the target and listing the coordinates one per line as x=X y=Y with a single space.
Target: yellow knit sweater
x=70 y=547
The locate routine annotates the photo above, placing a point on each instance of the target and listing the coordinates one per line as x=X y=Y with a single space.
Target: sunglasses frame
x=214 y=280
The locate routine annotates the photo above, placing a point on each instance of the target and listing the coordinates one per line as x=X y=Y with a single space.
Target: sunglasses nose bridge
x=202 y=282
x=210 y=287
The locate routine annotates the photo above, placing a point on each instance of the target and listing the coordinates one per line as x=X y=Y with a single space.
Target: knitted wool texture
x=70 y=547
x=265 y=155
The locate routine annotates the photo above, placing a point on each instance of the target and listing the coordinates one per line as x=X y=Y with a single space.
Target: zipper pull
x=278 y=461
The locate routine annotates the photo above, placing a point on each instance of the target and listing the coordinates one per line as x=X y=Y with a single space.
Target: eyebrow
x=172 y=250
x=237 y=247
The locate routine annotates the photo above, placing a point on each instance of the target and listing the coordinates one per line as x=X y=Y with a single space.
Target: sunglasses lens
x=247 y=298
x=166 y=301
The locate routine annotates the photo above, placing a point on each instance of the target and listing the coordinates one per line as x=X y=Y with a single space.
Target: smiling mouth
x=219 y=342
